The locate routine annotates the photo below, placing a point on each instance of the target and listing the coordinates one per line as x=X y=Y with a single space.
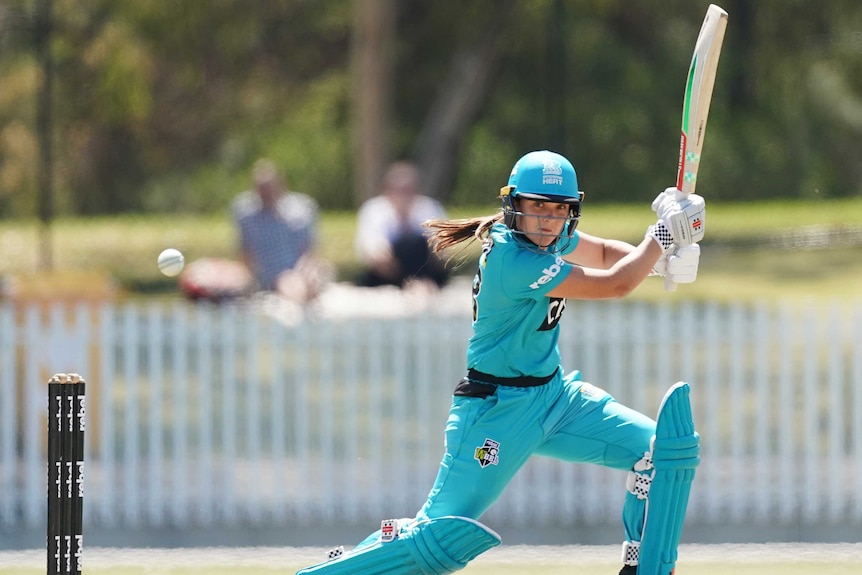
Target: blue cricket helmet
x=545 y=176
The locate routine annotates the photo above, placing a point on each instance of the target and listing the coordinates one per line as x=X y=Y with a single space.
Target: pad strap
x=631 y=552
x=640 y=478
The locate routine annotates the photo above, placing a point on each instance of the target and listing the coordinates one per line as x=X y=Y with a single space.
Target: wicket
x=66 y=424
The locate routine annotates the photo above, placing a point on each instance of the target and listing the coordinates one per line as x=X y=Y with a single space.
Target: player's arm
x=620 y=279
x=673 y=228
x=595 y=252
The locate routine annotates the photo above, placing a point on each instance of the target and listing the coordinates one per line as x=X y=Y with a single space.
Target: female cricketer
x=516 y=401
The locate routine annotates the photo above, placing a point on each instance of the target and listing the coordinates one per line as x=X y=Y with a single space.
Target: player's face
x=542 y=222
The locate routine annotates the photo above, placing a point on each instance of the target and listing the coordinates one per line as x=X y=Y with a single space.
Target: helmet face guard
x=546 y=177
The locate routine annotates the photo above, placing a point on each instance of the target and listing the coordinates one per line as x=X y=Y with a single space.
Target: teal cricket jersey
x=515 y=323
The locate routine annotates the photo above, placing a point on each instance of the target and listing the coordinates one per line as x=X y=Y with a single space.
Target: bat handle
x=669 y=284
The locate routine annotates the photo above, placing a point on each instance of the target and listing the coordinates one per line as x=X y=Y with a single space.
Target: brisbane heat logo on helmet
x=552 y=173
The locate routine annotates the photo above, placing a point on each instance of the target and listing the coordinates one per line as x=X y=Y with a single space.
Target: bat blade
x=698 y=95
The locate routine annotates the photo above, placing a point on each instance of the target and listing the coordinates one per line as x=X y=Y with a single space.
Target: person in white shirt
x=391 y=242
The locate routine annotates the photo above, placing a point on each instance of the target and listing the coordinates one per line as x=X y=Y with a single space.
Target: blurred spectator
x=390 y=240
x=277 y=230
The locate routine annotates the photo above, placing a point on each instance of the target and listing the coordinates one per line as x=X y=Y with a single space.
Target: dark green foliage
x=163 y=106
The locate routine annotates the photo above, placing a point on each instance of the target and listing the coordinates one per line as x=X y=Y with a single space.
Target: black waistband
x=522 y=381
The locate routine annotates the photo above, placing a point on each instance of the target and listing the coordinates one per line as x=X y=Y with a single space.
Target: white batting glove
x=682 y=264
x=669 y=194
x=683 y=214
x=679 y=266
x=663 y=199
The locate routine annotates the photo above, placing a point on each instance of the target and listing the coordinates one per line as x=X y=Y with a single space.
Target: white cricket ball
x=171 y=262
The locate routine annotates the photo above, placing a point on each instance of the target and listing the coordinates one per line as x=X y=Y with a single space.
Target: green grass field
x=761 y=559
x=768 y=249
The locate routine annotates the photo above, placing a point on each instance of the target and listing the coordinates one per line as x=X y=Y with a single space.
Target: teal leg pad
x=676 y=455
x=427 y=547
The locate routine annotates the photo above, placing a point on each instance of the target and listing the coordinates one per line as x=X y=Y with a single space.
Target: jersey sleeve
x=532 y=273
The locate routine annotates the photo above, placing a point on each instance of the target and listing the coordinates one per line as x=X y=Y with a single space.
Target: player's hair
x=448 y=233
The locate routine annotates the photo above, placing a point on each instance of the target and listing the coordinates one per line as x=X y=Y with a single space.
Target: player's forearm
x=614 y=251
x=632 y=268
x=617 y=281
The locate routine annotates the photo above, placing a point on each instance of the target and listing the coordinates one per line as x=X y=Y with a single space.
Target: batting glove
x=683 y=214
x=682 y=264
x=678 y=266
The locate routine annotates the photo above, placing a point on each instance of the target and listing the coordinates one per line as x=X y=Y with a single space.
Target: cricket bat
x=696 y=100
x=698 y=95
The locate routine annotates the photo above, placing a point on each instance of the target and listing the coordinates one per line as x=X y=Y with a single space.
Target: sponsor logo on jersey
x=556 y=305
x=549 y=273
x=488 y=454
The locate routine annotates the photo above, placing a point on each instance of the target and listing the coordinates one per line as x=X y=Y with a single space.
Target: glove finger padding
x=659 y=201
x=675 y=193
x=682 y=264
x=666 y=200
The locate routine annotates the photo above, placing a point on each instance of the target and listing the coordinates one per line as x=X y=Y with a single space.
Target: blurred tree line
x=162 y=106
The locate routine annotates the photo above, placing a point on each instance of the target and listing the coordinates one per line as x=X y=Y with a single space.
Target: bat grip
x=669 y=284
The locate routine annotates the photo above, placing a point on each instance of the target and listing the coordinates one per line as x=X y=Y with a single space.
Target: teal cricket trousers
x=489 y=439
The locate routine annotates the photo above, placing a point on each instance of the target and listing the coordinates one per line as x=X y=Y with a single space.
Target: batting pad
x=428 y=547
x=676 y=449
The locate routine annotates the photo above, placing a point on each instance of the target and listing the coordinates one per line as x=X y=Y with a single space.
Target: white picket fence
x=218 y=416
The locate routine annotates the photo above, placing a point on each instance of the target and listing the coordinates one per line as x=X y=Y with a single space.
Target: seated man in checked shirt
x=277 y=230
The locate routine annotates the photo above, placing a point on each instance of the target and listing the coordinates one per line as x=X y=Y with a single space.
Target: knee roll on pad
x=427 y=547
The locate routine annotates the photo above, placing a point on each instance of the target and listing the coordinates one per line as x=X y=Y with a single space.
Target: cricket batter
x=516 y=400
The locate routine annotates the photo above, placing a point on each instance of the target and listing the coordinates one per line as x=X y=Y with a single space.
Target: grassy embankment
x=757 y=250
